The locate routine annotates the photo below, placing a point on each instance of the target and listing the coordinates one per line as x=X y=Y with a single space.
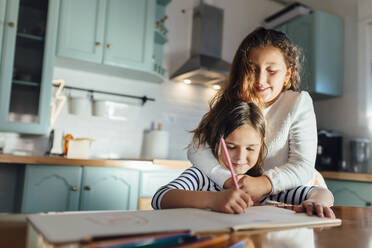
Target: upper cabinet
x=2 y=22
x=28 y=33
x=113 y=32
x=321 y=37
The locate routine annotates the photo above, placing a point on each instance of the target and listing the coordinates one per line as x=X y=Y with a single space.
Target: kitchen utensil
x=56 y=141
x=80 y=106
x=115 y=110
x=359 y=155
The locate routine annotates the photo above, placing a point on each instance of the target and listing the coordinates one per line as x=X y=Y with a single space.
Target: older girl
x=266 y=70
x=243 y=126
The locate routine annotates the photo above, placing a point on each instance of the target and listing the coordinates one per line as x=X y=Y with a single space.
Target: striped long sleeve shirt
x=194 y=179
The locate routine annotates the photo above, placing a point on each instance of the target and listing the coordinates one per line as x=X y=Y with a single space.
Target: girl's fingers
x=247 y=199
x=237 y=209
x=319 y=210
x=309 y=208
x=242 y=203
x=329 y=213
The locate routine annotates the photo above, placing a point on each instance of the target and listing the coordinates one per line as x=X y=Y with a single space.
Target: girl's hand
x=315 y=207
x=256 y=187
x=231 y=201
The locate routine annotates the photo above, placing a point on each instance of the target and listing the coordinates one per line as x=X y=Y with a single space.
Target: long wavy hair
x=222 y=119
x=242 y=76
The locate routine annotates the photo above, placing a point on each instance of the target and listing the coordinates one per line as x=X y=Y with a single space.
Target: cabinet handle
x=109 y=46
x=87 y=188
x=74 y=188
x=11 y=24
x=98 y=43
x=368 y=204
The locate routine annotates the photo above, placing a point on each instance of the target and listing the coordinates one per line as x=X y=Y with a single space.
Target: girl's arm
x=227 y=201
x=319 y=202
x=306 y=199
x=202 y=158
x=191 y=189
x=302 y=145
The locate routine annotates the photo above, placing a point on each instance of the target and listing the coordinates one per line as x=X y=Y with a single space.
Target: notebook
x=77 y=226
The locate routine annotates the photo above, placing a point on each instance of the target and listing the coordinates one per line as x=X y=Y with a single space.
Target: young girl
x=243 y=126
x=265 y=70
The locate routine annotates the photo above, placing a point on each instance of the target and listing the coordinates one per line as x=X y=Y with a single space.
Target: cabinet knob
x=368 y=204
x=11 y=24
x=74 y=188
x=98 y=43
x=109 y=46
x=87 y=188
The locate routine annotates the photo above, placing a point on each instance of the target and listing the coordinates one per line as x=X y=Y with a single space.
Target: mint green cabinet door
x=2 y=22
x=81 y=29
x=301 y=33
x=51 y=188
x=321 y=37
x=350 y=193
x=129 y=33
x=27 y=65
x=106 y=188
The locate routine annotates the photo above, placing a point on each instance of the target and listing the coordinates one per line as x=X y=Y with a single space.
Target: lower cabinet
x=109 y=189
x=350 y=193
x=71 y=188
x=51 y=188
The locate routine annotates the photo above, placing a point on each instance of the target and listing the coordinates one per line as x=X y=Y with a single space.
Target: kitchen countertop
x=348 y=176
x=149 y=164
x=126 y=163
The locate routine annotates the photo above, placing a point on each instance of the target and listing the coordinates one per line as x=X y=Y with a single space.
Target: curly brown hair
x=240 y=83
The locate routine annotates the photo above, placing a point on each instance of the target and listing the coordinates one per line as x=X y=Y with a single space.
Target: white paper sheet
x=73 y=227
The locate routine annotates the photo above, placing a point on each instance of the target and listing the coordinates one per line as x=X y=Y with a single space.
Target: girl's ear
x=287 y=83
x=288 y=74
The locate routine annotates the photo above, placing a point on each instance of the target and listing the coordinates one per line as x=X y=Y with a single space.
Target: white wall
x=179 y=107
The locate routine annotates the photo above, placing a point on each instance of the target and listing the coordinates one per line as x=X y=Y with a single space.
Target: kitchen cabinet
x=2 y=22
x=115 y=33
x=51 y=188
x=350 y=193
x=106 y=188
x=73 y=188
x=10 y=176
x=26 y=67
x=320 y=35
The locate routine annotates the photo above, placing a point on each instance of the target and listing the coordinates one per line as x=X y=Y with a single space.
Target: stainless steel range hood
x=205 y=65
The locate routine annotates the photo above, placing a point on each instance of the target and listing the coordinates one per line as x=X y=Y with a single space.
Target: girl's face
x=243 y=146
x=271 y=72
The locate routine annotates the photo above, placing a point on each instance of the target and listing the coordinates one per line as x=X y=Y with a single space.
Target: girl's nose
x=260 y=78
x=239 y=155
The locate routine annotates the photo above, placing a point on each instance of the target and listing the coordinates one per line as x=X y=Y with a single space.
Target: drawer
x=151 y=181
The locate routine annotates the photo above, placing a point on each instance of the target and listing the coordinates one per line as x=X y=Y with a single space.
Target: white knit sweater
x=291 y=138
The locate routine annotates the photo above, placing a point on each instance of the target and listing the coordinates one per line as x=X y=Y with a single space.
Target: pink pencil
x=227 y=157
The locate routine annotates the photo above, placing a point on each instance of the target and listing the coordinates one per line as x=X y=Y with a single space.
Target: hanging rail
x=144 y=98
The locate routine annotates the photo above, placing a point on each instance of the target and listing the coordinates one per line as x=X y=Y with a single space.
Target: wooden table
x=355 y=231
